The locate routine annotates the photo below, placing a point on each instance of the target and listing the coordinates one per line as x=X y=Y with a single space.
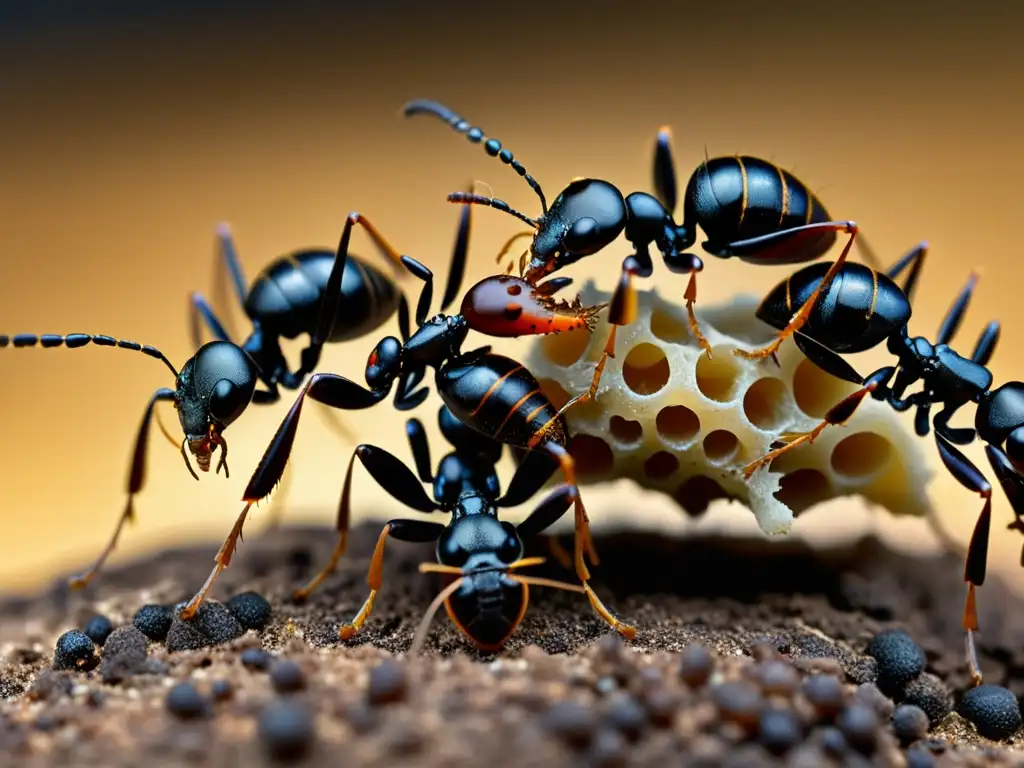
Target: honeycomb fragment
x=676 y=421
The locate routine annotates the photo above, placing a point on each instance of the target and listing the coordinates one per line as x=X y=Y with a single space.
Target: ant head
x=438 y=339
x=213 y=389
x=585 y=217
x=506 y=306
x=384 y=363
x=467 y=440
x=489 y=603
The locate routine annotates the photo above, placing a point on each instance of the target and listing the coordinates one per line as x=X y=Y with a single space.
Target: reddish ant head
x=506 y=306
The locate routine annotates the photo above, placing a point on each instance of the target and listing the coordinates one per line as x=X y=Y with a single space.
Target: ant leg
x=420 y=447
x=977 y=551
x=228 y=266
x=800 y=318
x=222 y=561
x=955 y=315
x=837 y=414
x=664 y=170
x=460 y=250
x=394 y=477
x=551 y=509
x=200 y=311
x=277 y=501
x=986 y=344
x=415 y=531
x=136 y=479
x=1013 y=486
x=958 y=436
x=914 y=258
x=583 y=540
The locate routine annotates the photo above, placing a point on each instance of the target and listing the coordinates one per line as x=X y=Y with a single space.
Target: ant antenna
x=75 y=340
x=468 y=198
x=475 y=135
x=428 y=617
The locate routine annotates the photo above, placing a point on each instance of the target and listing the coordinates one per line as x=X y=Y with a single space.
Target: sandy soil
x=563 y=692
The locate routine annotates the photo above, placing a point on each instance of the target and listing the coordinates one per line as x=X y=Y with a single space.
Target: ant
x=490 y=393
x=218 y=383
x=488 y=599
x=749 y=208
x=861 y=309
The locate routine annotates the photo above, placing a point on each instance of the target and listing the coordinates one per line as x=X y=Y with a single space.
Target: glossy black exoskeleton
x=860 y=310
x=750 y=209
x=490 y=597
x=489 y=393
x=210 y=392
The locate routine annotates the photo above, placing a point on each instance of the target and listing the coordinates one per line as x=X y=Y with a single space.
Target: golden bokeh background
x=125 y=142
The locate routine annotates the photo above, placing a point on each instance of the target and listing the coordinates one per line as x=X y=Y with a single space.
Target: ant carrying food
x=490 y=393
x=749 y=208
x=861 y=309
x=488 y=599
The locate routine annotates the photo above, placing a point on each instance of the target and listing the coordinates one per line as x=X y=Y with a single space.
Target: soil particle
x=762 y=660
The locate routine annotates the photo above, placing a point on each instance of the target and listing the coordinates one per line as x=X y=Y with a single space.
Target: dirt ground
x=563 y=692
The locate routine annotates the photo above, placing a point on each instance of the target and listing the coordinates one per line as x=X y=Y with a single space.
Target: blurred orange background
x=125 y=143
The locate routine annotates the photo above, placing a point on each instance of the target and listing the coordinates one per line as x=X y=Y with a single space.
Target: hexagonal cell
x=556 y=392
x=721 y=446
x=661 y=465
x=593 y=457
x=564 y=348
x=669 y=327
x=677 y=424
x=717 y=376
x=645 y=369
x=764 y=403
x=815 y=391
x=861 y=455
x=625 y=430
x=697 y=493
x=802 y=489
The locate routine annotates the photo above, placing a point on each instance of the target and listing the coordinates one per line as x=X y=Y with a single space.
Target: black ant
x=490 y=393
x=749 y=208
x=217 y=384
x=488 y=600
x=861 y=309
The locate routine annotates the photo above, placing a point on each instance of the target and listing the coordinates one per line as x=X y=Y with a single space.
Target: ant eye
x=450 y=552
x=227 y=401
x=582 y=237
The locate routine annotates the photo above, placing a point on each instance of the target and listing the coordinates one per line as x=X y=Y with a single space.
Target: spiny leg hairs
x=746 y=654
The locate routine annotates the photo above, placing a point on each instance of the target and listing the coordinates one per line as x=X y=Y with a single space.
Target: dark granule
x=778 y=677
x=909 y=723
x=74 y=650
x=780 y=730
x=695 y=665
x=625 y=714
x=388 y=683
x=869 y=695
x=98 y=629
x=154 y=621
x=860 y=726
x=287 y=676
x=899 y=658
x=571 y=722
x=930 y=694
x=222 y=690
x=738 y=702
x=993 y=710
x=286 y=730
x=825 y=693
x=252 y=610
x=256 y=659
x=212 y=625
x=124 y=654
x=185 y=702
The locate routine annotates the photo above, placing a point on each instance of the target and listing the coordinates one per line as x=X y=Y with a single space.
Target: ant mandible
x=749 y=208
x=489 y=597
x=490 y=393
x=217 y=384
x=860 y=310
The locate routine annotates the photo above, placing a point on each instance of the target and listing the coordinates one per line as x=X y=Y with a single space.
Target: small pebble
x=388 y=683
x=74 y=650
x=627 y=716
x=833 y=742
x=124 y=654
x=256 y=659
x=909 y=723
x=661 y=705
x=918 y=757
x=860 y=726
x=287 y=676
x=252 y=610
x=695 y=665
x=222 y=690
x=899 y=658
x=286 y=730
x=930 y=694
x=994 y=710
x=738 y=702
x=609 y=750
x=185 y=702
x=825 y=693
x=572 y=722
x=869 y=695
x=213 y=624
x=98 y=629
x=154 y=621
x=778 y=677
x=780 y=731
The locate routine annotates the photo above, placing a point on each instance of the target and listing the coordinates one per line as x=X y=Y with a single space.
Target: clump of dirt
x=748 y=654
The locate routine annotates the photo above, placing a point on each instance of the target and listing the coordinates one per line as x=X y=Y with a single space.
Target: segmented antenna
x=468 y=198
x=75 y=340
x=475 y=135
